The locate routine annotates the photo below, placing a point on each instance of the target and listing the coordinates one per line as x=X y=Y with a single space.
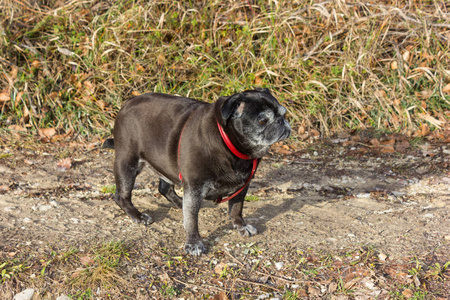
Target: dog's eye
x=262 y=121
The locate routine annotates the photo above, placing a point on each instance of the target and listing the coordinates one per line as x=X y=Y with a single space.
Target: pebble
x=24 y=295
x=45 y=207
x=27 y=220
x=279 y=265
x=264 y=296
x=63 y=297
x=9 y=208
x=363 y=195
x=428 y=216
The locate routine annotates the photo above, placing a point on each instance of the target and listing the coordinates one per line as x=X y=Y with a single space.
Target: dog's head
x=254 y=119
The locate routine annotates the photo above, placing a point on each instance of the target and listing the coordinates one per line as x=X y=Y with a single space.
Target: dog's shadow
x=297 y=185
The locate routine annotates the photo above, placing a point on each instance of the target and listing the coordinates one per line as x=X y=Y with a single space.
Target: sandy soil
x=327 y=197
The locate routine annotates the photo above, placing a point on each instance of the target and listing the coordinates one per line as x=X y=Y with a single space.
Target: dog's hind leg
x=167 y=190
x=125 y=171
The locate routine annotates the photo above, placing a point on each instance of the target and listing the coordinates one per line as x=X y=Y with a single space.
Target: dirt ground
x=326 y=197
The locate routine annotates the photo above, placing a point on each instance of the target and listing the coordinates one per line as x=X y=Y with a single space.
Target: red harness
x=235 y=151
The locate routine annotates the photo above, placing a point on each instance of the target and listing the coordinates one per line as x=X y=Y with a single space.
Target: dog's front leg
x=235 y=207
x=191 y=206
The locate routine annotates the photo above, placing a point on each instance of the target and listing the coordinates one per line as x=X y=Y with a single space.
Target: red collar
x=236 y=152
x=230 y=145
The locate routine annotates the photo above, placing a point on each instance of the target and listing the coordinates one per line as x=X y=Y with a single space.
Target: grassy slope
x=335 y=65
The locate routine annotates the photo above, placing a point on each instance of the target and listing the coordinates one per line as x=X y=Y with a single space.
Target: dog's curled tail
x=108 y=144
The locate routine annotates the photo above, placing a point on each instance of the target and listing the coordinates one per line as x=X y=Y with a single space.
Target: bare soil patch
x=324 y=201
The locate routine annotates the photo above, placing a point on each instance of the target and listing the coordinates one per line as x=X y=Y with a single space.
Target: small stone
x=363 y=195
x=382 y=257
x=428 y=216
x=45 y=207
x=9 y=208
x=75 y=220
x=24 y=295
x=279 y=265
x=27 y=220
x=63 y=297
x=370 y=285
x=351 y=235
x=264 y=296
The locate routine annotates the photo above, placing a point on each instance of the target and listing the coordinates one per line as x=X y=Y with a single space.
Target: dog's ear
x=232 y=106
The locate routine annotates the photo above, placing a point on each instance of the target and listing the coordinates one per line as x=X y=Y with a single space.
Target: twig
x=257 y=283
x=198 y=286
x=266 y=274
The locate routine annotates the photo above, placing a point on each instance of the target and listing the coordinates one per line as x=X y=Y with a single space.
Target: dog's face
x=257 y=119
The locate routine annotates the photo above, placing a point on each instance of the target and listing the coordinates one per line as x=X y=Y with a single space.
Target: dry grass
x=337 y=65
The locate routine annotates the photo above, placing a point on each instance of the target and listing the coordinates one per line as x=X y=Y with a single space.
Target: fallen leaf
x=220 y=296
x=380 y=94
x=407 y=293
x=4 y=97
x=315 y=133
x=402 y=146
x=424 y=130
x=140 y=68
x=4 y=189
x=87 y=260
x=347 y=143
x=47 y=132
x=53 y=95
x=313 y=291
x=17 y=128
x=64 y=164
x=375 y=142
x=301 y=130
x=332 y=287
x=65 y=51
x=387 y=149
x=424 y=94
x=161 y=59
x=390 y=142
x=35 y=64
x=13 y=73
x=135 y=93
x=446 y=89
x=394 y=65
x=406 y=56
x=218 y=269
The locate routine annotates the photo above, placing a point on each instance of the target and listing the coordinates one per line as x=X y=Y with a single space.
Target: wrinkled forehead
x=266 y=100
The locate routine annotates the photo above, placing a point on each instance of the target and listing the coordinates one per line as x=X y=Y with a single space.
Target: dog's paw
x=195 y=249
x=247 y=230
x=144 y=218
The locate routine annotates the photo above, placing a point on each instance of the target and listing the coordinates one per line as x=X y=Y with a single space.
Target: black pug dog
x=211 y=149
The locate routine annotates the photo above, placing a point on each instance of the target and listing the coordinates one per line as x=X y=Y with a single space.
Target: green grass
x=72 y=67
x=251 y=198
x=108 y=189
x=10 y=269
x=101 y=266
